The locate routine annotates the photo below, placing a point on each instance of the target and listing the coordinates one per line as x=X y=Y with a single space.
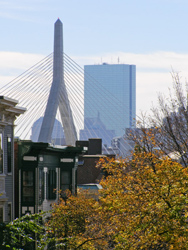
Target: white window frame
x=2 y=147
x=8 y=137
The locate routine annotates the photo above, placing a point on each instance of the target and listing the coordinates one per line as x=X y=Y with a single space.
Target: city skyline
x=146 y=33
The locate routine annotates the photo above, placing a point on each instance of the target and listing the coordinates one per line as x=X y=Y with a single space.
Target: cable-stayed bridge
x=54 y=89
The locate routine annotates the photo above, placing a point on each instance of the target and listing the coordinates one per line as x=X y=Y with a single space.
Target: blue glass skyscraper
x=110 y=90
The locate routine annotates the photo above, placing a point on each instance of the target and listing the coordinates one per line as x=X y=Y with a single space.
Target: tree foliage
x=77 y=223
x=143 y=205
x=147 y=200
x=25 y=233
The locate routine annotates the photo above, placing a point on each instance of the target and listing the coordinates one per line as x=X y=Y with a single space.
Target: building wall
x=9 y=112
x=88 y=172
x=7 y=176
x=9 y=180
x=16 y=179
x=120 y=82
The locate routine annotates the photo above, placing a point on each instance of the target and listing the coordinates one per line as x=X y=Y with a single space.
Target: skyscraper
x=117 y=107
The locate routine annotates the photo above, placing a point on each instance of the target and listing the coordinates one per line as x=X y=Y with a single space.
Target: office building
x=110 y=91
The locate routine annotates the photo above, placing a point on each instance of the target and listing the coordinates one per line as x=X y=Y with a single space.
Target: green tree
x=25 y=233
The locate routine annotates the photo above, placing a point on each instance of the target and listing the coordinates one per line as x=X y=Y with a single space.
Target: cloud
x=153 y=70
x=158 y=60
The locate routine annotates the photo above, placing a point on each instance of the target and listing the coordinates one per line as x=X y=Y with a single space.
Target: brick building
x=87 y=170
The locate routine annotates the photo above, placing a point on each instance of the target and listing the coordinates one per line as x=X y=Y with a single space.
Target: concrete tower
x=58 y=96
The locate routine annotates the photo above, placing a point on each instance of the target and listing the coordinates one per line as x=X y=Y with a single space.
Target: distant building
x=9 y=112
x=94 y=128
x=123 y=145
x=120 y=82
x=58 y=137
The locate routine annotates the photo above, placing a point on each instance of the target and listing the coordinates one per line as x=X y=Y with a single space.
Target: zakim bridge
x=52 y=91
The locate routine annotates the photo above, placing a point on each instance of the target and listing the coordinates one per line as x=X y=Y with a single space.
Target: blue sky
x=149 y=33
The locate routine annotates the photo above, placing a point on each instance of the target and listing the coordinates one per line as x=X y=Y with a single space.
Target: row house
x=42 y=173
x=9 y=111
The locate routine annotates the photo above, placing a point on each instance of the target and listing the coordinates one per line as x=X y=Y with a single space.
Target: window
x=1 y=214
x=28 y=186
x=9 y=211
x=1 y=153
x=9 y=151
x=51 y=193
x=41 y=186
x=65 y=180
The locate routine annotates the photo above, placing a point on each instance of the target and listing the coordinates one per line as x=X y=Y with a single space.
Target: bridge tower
x=58 y=96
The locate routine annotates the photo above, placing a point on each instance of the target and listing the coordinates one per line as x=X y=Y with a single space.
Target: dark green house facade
x=43 y=173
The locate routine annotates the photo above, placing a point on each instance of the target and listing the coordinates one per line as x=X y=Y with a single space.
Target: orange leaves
x=153 y=204
x=77 y=223
x=143 y=205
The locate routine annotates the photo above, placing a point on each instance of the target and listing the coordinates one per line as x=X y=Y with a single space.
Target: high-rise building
x=110 y=90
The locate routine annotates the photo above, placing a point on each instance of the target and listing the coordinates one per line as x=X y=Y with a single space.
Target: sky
x=151 y=34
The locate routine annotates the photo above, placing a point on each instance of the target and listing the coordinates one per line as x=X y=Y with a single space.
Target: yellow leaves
x=143 y=205
x=78 y=222
x=154 y=198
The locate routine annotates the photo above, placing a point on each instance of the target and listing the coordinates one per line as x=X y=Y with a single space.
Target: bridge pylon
x=58 y=96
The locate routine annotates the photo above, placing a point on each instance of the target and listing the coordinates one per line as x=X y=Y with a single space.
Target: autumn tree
x=143 y=205
x=146 y=199
x=77 y=223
